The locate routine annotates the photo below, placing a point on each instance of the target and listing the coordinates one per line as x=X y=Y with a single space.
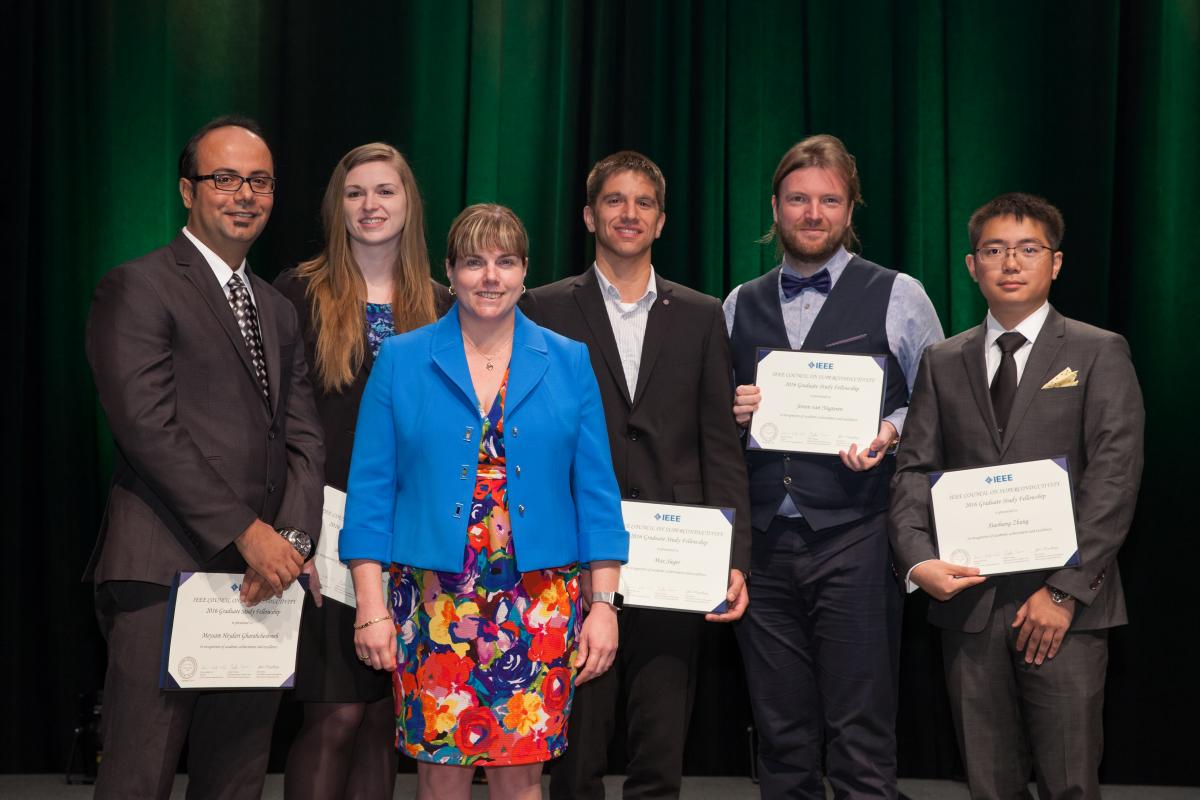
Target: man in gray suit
x=200 y=369
x=1025 y=654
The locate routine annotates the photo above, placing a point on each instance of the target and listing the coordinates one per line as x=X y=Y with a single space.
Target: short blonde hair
x=483 y=227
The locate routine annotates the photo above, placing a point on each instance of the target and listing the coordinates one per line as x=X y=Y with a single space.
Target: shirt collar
x=614 y=294
x=1029 y=327
x=215 y=262
x=836 y=264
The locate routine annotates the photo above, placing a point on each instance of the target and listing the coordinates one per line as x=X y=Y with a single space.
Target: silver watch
x=614 y=599
x=299 y=540
x=1058 y=596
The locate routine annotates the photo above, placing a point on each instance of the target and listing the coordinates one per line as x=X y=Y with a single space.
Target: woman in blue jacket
x=482 y=478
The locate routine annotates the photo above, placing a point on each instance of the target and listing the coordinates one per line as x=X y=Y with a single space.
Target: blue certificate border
x=763 y=352
x=1073 y=561
x=729 y=514
x=167 y=682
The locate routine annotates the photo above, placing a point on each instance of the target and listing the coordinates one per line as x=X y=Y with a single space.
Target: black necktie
x=247 y=320
x=794 y=284
x=1004 y=385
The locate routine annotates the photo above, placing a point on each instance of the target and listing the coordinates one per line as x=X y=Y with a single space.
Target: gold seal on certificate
x=678 y=556
x=212 y=641
x=816 y=402
x=1008 y=518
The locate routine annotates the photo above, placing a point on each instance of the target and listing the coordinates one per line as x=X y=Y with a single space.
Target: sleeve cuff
x=364 y=543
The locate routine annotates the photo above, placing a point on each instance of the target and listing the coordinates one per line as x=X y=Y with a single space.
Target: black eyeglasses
x=1027 y=253
x=232 y=182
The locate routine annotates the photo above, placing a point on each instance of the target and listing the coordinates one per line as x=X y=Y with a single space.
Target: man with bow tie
x=1025 y=654
x=820 y=639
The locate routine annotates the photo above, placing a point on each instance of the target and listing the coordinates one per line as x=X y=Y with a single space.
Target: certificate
x=212 y=641
x=816 y=402
x=678 y=556
x=1009 y=518
x=336 y=583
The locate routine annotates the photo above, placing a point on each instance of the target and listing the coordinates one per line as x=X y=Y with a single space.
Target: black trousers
x=821 y=642
x=144 y=727
x=655 y=672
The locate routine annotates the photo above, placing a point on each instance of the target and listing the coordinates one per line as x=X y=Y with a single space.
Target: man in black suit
x=661 y=357
x=1025 y=654
x=200 y=370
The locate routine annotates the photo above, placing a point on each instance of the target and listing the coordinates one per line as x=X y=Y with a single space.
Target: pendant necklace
x=490 y=359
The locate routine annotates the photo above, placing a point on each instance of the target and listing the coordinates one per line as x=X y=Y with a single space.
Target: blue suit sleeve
x=602 y=534
x=374 y=477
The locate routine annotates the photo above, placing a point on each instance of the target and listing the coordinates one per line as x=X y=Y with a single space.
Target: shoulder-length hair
x=336 y=289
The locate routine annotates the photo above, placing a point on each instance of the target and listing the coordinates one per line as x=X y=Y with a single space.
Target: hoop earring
x=523 y=290
x=452 y=291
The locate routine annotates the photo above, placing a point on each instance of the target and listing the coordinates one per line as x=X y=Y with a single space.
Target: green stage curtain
x=1091 y=103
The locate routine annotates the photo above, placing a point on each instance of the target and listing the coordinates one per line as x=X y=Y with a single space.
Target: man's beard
x=802 y=253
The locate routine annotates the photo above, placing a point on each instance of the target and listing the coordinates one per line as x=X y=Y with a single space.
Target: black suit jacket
x=675 y=440
x=200 y=453
x=1098 y=424
x=338 y=410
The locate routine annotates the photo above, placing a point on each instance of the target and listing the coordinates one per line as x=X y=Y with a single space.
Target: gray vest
x=852 y=320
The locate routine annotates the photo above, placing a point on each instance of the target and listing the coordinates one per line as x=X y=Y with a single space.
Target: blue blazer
x=412 y=473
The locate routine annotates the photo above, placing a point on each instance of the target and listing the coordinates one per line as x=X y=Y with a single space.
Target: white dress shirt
x=220 y=268
x=1029 y=327
x=628 y=321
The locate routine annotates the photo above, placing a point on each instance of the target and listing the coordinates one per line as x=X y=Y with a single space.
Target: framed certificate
x=678 y=556
x=212 y=641
x=816 y=402
x=1009 y=518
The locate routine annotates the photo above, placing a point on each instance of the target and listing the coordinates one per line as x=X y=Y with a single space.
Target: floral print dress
x=485 y=656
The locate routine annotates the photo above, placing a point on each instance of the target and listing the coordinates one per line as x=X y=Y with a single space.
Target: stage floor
x=52 y=787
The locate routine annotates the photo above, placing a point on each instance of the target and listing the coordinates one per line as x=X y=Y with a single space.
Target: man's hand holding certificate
x=819 y=403
x=678 y=556
x=213 y=641
x=1008 y=518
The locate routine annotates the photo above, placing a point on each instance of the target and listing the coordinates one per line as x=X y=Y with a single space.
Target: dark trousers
x=820 y=641
x=655 y=670
x=1012 y=717
x=144 y=728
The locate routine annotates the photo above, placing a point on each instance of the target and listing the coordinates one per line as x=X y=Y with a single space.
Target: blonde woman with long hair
x=370 y=281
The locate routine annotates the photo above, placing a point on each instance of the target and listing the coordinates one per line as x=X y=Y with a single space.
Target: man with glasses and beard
x=199 y=365
x=820 y=638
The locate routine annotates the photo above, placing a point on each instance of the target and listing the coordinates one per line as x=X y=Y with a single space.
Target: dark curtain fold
x=1094 y=104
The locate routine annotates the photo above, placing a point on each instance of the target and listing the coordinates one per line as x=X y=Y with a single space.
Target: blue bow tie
x=794 y=284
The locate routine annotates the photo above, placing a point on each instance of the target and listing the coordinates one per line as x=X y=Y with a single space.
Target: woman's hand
x=375 y=644
x=374 y=631
x=597 y=643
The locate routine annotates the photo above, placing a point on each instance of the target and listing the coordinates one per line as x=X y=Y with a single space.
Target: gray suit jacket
x=1098 y=425
x=200 y=453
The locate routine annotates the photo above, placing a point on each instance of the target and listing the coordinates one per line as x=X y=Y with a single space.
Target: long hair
x=336 y=289
x=826 y=151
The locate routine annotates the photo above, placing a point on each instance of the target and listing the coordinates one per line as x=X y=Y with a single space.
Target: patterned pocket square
x=1068 y=377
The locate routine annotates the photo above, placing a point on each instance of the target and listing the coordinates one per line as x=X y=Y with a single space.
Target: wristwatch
x=614 y=599
x=297 y=539
x=1058 y=596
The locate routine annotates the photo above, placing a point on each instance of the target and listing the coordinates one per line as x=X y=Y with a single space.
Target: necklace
x=489 y=358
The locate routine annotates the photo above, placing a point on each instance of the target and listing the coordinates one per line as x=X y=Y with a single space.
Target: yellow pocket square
x=1068 y=377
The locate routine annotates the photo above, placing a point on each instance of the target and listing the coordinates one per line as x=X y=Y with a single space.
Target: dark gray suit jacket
x=199 y=451
x=1098 y=425
x=674 y=440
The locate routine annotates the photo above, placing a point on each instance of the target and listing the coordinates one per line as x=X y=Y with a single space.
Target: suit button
x=787 y=459
x=632 y=433
x=271 y=434
x=518 y=470
x=514 y=430
x=635 y=493
x=787 y=480
x=521 y=510
x=270 y=488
